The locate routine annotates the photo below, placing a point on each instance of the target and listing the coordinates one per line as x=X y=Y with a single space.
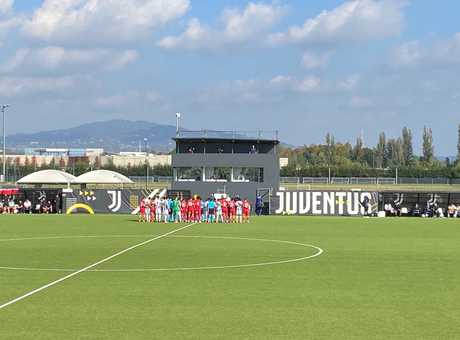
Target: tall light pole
x=147 y=165
x=178 y=116
x=4 y=107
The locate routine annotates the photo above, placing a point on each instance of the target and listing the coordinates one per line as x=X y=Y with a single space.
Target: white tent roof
x=102 y=177
x=48 y=177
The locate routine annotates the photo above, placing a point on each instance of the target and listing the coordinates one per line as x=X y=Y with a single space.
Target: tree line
x=388 y=156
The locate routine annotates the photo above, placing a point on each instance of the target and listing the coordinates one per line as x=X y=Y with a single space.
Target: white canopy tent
x=48 y=177
x=102 y=177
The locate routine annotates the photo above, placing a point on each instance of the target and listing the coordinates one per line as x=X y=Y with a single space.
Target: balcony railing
x=213 y=134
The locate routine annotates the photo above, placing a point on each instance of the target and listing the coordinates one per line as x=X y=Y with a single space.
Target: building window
x=218 y=174
x=189 y=174
x=255 y=175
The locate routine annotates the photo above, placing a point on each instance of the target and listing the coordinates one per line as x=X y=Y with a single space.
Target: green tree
x=428 y=148
x=358 y=151
x=381 y=158
x=458 y=146
x=395 y=152
x=407 y=148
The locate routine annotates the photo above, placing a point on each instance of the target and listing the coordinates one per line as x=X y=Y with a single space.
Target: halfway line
x=91 y=266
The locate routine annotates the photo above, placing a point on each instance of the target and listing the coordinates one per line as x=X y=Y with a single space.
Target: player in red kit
x=142 y=211
x=246 y=210
x=183 y=210
x=197 y=209
x=225 y=209
x=152 y=211
x=190 y=210
x=231 y=211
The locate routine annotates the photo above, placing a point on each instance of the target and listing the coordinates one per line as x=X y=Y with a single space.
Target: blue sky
x=303 y=67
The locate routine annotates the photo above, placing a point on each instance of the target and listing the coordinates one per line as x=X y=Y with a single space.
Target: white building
x=120 y=160
x=136 y=159
x=284 y=162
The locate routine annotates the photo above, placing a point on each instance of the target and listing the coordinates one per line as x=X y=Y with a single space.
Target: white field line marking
x=318 y=253
x=35 y=291
x=43 y=238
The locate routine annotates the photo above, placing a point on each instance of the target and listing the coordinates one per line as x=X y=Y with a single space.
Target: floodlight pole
x=4 y=107
x=178 y=116
x=147 y=165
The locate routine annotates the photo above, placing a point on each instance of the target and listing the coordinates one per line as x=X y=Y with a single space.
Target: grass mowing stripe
x=35 y=291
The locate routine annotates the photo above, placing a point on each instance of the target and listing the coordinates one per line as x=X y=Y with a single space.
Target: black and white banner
x=114 y=201
x=334 y=203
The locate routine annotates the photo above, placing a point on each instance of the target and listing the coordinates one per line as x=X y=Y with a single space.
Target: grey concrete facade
x=268 y=161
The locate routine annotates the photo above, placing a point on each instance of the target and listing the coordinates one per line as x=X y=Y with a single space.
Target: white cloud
x=281 y=87
x=239 y=27
x=408 y=54
x=19 y=86
x=312 y=61
x=129 y=98
x=349 y=83
x=304 y=85
x=54 y=58
x=9 y=23
x=355 y=20
x=6 y=6
x=437 y=53
x=114 y=101
x=101 y=21
x=361 y=102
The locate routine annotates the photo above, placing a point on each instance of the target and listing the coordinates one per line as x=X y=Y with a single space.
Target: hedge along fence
x=371 y=180
x=361 y=172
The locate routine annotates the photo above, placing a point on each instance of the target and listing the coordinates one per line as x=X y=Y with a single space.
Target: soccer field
x=276 y=278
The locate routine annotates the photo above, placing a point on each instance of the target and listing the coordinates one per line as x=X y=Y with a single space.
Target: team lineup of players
x=212 y=210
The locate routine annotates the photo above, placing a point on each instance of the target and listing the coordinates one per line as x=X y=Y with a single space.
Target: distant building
x=125 y=159
x=63 y=157
x=55 y=152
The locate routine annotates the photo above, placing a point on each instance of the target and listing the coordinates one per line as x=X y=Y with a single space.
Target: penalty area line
x=35 y=291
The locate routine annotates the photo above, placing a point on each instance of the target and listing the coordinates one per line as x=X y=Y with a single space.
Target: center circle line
x=319 y=251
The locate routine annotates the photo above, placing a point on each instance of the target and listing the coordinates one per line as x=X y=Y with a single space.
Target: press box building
x=237 y=164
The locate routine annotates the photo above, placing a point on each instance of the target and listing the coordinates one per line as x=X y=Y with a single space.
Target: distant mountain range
x=113 y=136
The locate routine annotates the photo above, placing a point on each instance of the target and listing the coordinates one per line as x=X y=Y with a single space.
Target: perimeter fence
x=371 y=180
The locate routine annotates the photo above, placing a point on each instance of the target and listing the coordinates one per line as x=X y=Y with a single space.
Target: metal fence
x=315 y=180
x=371 y=180
x=425 y=180
x=340 y=180
x=382 y=180
x=290 y=180
x=150 y=179
x=363 y=180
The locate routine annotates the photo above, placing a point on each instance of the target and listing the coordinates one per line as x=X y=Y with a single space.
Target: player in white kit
x=239 y=211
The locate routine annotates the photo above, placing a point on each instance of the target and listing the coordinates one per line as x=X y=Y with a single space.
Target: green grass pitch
x=377 y=279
